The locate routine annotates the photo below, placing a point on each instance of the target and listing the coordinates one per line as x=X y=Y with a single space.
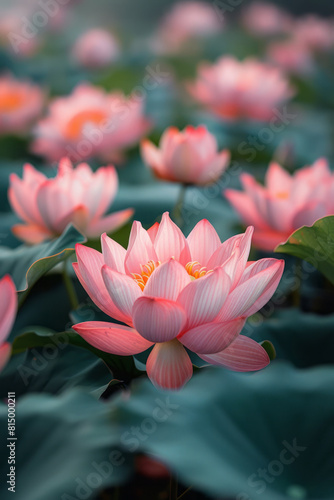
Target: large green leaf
x=66 y=448
x=314 y=244
x=122 y=367
x=225 y=433
x=54 y=368
x=27 y=264
x=303 y=339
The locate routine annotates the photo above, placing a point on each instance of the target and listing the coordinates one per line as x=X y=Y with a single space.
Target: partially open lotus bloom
x=90 y=122
x=233 y=90
x=187 y=19
x=291 y=56
x=174 y=293
x=284 y=203
x=262 y=18
x=314 y=32
x=20 y=104
x=189 y=157
x=76 y=195
x=8 y=308
x=96 y=48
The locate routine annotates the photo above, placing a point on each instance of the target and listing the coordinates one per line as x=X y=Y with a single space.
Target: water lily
x=235 y=89
x=186 y=20
x=96 y=48
x=189 y=156
x=21 y=103
x=291 y=56
x=173 y=293
x=314 y=32
x=76 y=195
x=266 y=19
x=285 y=203
x=90 y=122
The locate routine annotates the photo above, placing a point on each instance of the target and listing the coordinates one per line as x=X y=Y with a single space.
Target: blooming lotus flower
x=75 y=195
x=190 y=156
x=186 y=20
x=314 y=32
x=262 y=18
x=174 y=292
x=20 y=104
x=96 y=48
x=8 y=308
x=291 y=56
x=233 y=90
x=285 y=203
x=90 y=122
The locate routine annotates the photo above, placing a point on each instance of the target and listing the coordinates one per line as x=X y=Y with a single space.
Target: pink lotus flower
x=97 y=48
x=233 y=90
x=285 y=203
x=13 y=20
x=174 y=292
x=20 y=104
x=291 y=56
x=78 y=195
x=262 y=18
x=90 y=122
x=186 y=19
x=314 y=32
x=190 y=156
x=8 y=308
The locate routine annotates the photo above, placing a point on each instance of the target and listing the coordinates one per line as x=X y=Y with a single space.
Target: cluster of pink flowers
x=266 y=19
x=89 y=122
x=304 y=36
x=173 y=295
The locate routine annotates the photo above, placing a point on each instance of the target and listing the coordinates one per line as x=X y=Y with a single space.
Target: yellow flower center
x=146 y=271
x=76 y=124
x=195 y=270
x=10 y=101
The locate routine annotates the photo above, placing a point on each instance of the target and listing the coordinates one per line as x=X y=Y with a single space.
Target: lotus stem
x=178 y=209
x=69 y=286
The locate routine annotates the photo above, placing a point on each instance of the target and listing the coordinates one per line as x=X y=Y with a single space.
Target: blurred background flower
x=186 y=20
x=21 y=103
x=188 y=157
x=285 y=203
x=76 y=195
x=97 y=48
x=266 y=19
x=236 y=90
x=90 y=122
